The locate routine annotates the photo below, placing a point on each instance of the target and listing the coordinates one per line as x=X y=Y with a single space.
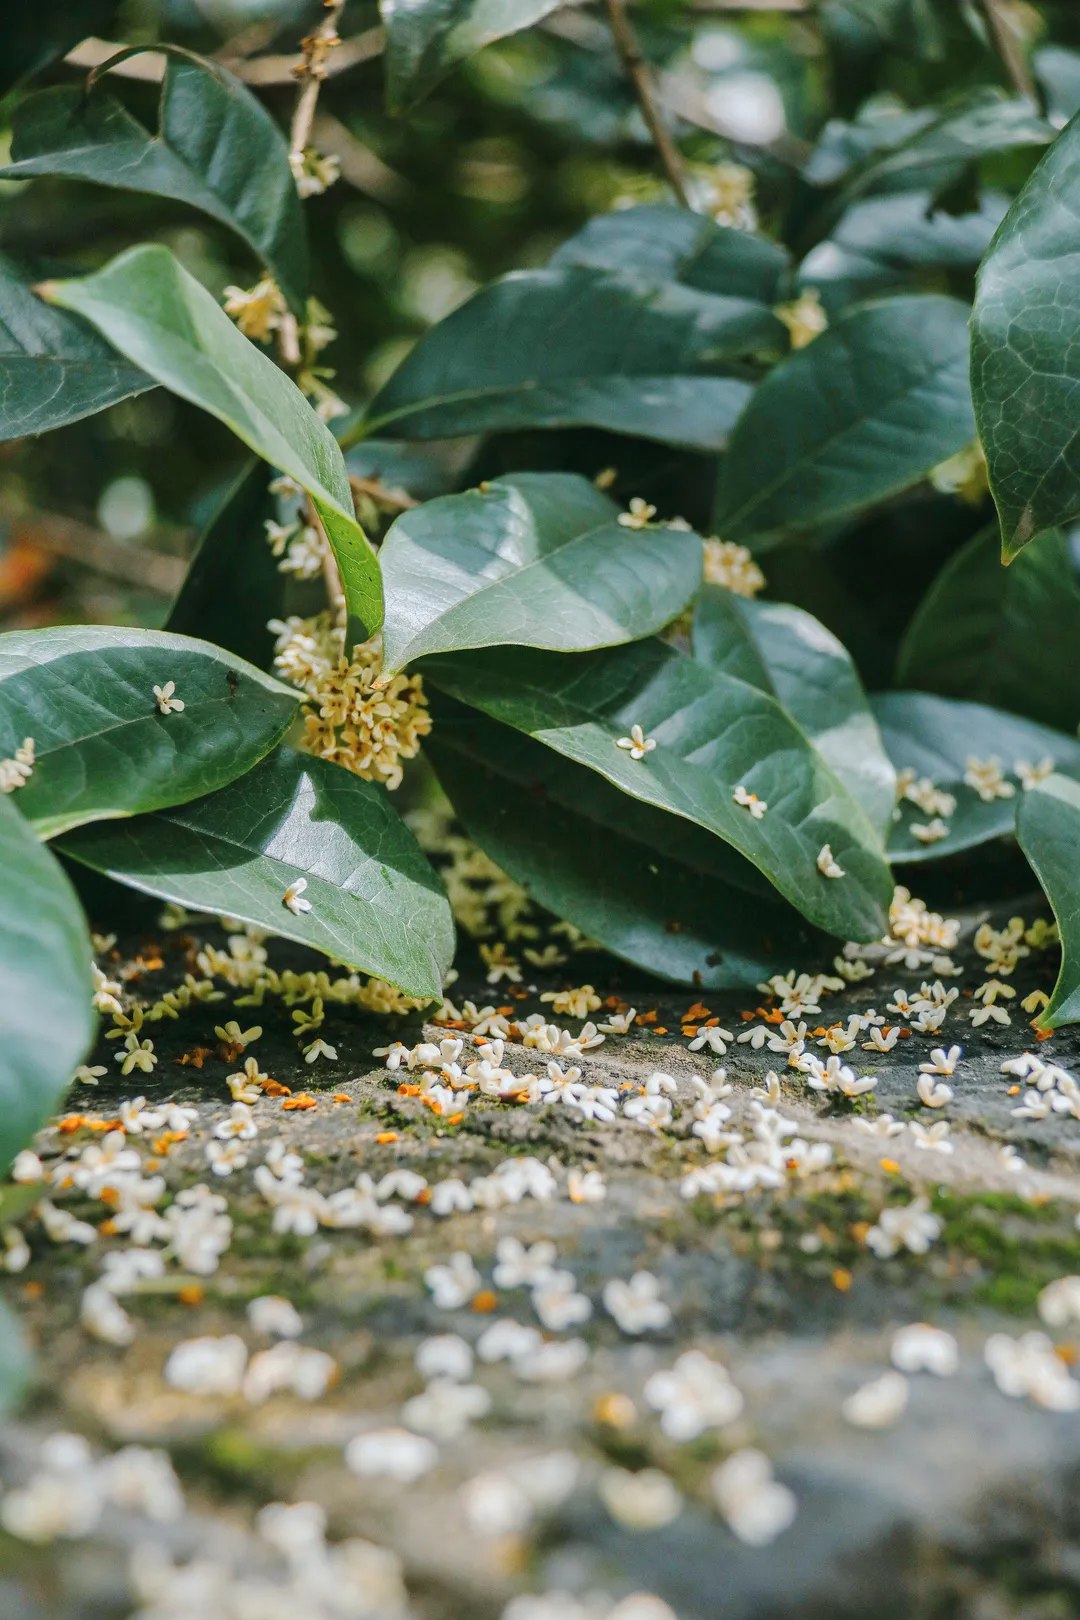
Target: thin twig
x=626 y=43
x=90 y=548
x=316 y=48
x=1010 y=50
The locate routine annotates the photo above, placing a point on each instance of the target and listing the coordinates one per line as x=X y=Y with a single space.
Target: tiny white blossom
x=827 y=864
x=166 y=702
x=750 y=801
x=639 y=516
x=558 y=1304
x=879 y=1404
x=910 y=1226
x=445 y=1409
x=932 y=1093
x=647 y=1500
x=696 y=1394
x=208 y=1365
x=447 y=1355
x=756 y=1506
x=1030 y=1366
x=636 y=1305
x=987 y=778
x=933 y=1138
x=1059 y=1302
x=920 y=1347
x=104 y=1317
x=293 y=898
x=320 y=1048
x=454 y=1284
x=942 y=1062
x=637 y=745
x=275 y=1316
x=391 y=1454
x=585 y=1186
x=883 y=1125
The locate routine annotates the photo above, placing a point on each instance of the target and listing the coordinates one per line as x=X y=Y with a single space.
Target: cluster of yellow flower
x=350 y=717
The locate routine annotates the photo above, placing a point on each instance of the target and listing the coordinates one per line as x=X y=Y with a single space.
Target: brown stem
x=312 y=71
x=1010 y=49
x=626 y=43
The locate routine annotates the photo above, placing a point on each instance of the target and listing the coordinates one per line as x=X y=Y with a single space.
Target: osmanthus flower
x=933 y=1094
x=246 y=1085
x=639 y=516
x=585 y=1186
x=166 y=702
x=600 y=1104
x=942 y=1061
x=258 y=311
x=239 y=1123
x=391 y=1454
x=882 y=1040
x=104 y=1318
x=637 y=745
x=1059 y=1302
x=320 y=1048
x=518 y=1266
x=406 y=1184
x=756 y=1506
x=16 y=772
x=27 y=1167
x=561 y=1085
x=1030 y=1366
x=921 y=792
x=507 y=1340
x=136 y=1054
x=646 y=1500
x=834 y=1076
x=62 y=1498
x=89 y=1074
x=558 y=1304
x=839 y=1037
x=233 y=1035
x=920 y=1347
x=754 y=1037
x=929 y=832
x=275 y=1316
x=878 y=1404
x=636 y=1305
x=620 y=1023
x=908 y=1226
x=733 y=567
x=305 y=1372
x=827 y=864
x=932 y=1138
x=447 y=1355
x=100 y=1162
x=495 y=1506
x=225 y=1157
x=750 y=801
x=445 y=1408
x=297 y=1208
x=804 y=317
x=500 y=964
x=16 y=1256
x=714 y=1038
x=769 y=1092
x=694 y=1395
x=987 y=778
x=554 y=1363
x=455 y=1283
x=789 y=1038
x=209 y=1365
x=573 y=1003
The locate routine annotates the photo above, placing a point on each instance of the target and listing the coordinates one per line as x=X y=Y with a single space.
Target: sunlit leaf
x=376 y=904
x=713 y=734
x=158 y=315
x=102 y=746
x=537 y=559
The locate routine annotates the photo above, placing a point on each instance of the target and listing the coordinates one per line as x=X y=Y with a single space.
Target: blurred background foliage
x=504 y=160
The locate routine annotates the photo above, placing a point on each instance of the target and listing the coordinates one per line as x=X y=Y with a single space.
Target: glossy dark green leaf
x=581 y=348
x=861 y=413
x=538 y=560
x=626 y=874
x=936 y=737
x=1025 y=351
x=376 y=904
x=85 y=694
x=216 y=148
x=33 y=36
x=1003 y=636
x=47 y=1018
x=672 y=244
x=1048 y=827
x=54 y=368
x=786 y=651
x=884 y=242
x=426 y=39
x=158 y=315
x=713 y=734
x=234 y=564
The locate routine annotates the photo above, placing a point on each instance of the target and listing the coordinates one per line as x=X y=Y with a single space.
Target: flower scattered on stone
x=878 y=1404
x=636 y=1305
x=756 y=1506
x=920 y=1347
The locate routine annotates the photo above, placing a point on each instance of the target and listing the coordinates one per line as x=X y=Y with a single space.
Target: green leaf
x=376 y=903
x=1025 y=351
x=672 y=244
x=935 y=737
x=714 y=733
x=537 y=560
x=581 y=348
x=1002 y=636
x=15 y=1365
x=85 y=694
x=860 y=414
x=626 y=874
x=234 y=564
x=884 y=242
x=216 y=148
x=47 y=1022
x=783 y=650
x=426 y=39
x=54 y=368
x=158 y=315
x=33 y=36
x=1058 y=71
x=1048 y=827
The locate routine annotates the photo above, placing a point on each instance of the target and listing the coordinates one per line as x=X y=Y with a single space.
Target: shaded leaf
x=537 y=560
x=15 y=1367
x=1048 y=828
x=581 y=348
x=54 y=368
x=935 y=737
x=884 y=242
x=214 y=139
x=426 y=39
x=1025 y=351
x=1003 y=636
x=624 y=873
x=713 y=733
x=158 y=315
x=861 y=413
x=47 y=1022
x=103 y=748
x=376 y=903
x=661 y=244
x=33 y=36
x=786 y=651
x=234 y=564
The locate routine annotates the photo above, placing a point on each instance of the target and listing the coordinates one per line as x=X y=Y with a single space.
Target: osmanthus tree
x=690 y=772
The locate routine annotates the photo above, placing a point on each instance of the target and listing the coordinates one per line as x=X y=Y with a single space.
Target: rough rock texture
x=965 y=1507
